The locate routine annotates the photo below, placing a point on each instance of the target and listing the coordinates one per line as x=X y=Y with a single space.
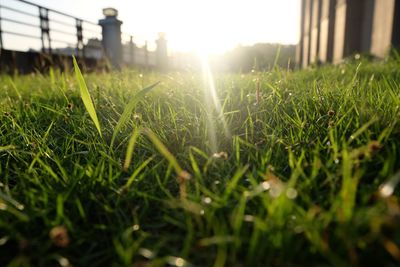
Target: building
x=332 y=30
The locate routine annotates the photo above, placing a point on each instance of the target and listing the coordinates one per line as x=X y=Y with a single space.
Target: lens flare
x=212 y=102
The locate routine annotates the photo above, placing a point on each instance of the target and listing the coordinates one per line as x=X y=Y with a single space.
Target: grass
x=304 y=175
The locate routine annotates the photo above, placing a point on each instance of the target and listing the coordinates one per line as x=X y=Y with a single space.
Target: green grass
x=300 y=169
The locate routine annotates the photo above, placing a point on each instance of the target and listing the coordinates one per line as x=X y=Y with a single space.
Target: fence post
x=1 y=33
x=162 y=54
x=131 y=51
x=111 y=31
x=146 y=55
x=45 y=29
x=79 y=35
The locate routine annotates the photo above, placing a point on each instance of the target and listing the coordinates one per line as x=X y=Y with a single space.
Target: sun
x=210 y=26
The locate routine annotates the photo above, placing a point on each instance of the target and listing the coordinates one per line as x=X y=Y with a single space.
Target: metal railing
x=137 y=51
x=57 y=32
x=24 y=24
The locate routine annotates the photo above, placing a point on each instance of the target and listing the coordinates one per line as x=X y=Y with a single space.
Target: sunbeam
x=212 y=103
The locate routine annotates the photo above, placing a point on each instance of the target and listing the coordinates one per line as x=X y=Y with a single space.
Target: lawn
x=280 y=168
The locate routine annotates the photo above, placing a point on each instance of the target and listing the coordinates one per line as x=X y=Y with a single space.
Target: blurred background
x=235 y=35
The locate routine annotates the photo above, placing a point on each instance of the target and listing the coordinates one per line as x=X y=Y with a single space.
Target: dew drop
x=275 y=191
x=179 y=262
x=386 y=190
x=265 y=186
x=248 y=218
x=291 y=193
x=147 y=253
x=64 y=262
x=3 y=240
x=207 y=200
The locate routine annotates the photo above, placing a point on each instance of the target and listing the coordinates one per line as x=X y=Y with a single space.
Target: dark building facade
x=331 y=30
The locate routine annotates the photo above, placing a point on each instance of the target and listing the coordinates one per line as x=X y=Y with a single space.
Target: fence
x=53 y=31
x=138 y=52
x=25 y=26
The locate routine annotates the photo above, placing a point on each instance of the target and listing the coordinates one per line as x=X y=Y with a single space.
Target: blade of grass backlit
x=87 y=101
x=131 y=146
x=15 y=88
x=278 y=53
x=129 y=108
x=233 y=181
x=182 y=175
x=362 y=129
x=8 y=204
x=7 y=148
x=137 y=171
x=164 y=151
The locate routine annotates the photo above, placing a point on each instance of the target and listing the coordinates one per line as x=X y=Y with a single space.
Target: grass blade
x=182 y=175
x=362 y=129
x=164 y=151
x=10 y=205
x=128 y=110
x=137 y=171
x=234 y=181
x=7 y=148
x=129 y=150
x=87 y=101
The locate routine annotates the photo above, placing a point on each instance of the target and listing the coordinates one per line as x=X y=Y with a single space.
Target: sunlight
x=191 y=25
x=215 y=26
x=212 y=103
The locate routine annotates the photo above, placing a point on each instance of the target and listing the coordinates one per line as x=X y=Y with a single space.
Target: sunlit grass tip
x=85 y=95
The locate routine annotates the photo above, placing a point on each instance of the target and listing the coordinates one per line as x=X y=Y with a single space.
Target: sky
x=206 y=25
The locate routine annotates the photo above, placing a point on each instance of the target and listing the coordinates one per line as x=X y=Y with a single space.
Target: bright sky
x=210 y=25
